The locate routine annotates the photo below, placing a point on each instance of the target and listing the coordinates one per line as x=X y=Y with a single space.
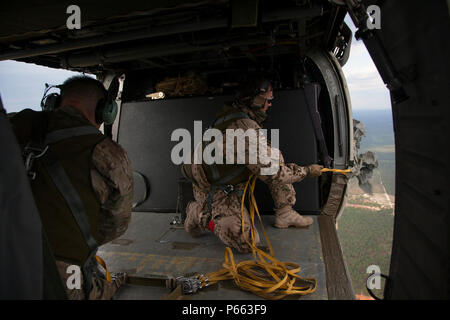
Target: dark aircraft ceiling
x=23 y=19
x=168 y=34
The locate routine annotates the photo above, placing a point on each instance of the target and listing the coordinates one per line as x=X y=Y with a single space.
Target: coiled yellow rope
x=265 y=276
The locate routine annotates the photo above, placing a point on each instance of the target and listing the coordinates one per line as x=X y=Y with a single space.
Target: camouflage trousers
x=224 y=220
x=101 y=288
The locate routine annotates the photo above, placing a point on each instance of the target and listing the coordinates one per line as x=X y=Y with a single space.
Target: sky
x=367 y=90
x=22 y=84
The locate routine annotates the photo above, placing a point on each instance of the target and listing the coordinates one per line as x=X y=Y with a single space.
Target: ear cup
x=110 y=112
x=51 y=102
x=259 y=100
x=264 y=85
x=105 y=112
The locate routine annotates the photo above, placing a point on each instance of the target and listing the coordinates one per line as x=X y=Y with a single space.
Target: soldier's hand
x=314 y=170
x=296 y=169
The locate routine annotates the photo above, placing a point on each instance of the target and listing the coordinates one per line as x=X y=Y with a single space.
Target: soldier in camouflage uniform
x=220 y=211
x=97 y=167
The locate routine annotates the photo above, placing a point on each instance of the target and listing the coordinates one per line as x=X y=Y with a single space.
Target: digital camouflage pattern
x=226 y=209
x=112 y=181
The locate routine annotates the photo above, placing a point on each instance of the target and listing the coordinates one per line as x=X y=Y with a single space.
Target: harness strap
x=72 y=198
x=62 y=182
x=63 y=134
x=221 y=184
x=231 y=176
x=215 y=172
x=209 y=200
x=70 y=194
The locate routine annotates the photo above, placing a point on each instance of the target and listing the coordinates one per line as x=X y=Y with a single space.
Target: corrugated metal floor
x=151 y=247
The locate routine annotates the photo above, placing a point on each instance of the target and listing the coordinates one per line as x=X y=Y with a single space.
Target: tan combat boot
x=287 y=217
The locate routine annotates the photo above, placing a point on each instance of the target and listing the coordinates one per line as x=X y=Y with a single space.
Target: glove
x=296 y=169
x=314 y=170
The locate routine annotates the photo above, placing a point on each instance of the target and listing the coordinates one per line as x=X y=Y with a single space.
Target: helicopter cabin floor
x=153 y=250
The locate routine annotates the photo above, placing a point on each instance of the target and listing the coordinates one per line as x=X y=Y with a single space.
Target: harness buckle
x=31 y=153
x=228 y=189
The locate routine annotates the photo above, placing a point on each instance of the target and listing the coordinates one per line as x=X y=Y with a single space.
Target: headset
x=264 y=87
x=105 y=111
x=50 y=101
x=258 y=100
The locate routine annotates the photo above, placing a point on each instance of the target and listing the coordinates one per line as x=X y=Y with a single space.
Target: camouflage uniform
x=111 y=180
x=225 y=217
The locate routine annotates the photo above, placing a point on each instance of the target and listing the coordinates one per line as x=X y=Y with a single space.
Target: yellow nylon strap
x=266 y=276
x=335 y=170
x=103 y=264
